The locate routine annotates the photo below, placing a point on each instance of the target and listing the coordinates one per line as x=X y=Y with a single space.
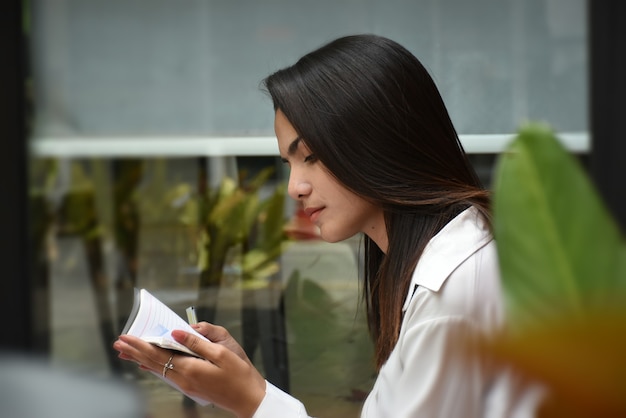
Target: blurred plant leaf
x=560 y=251
x=259 y=180
x=311 y=312
x=563 y=263
x=272 y=233
x=258 y=263
x=235 y=215
x=581 y=362
x=267 y=241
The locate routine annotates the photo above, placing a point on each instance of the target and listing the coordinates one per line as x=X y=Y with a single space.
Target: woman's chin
x=331 y=236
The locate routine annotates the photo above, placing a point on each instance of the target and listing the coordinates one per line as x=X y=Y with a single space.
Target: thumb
x=190 y=341
x=205 y=349
x=215 y=353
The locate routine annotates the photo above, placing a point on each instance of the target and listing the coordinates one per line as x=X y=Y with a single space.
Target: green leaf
x=260 y=179
x=273 y=223
x=560 y=251
x=250 y=208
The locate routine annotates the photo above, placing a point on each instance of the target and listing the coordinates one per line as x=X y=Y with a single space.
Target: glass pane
x=131 y=71
x=164 y=67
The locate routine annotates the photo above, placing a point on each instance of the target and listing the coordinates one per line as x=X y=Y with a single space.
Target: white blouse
x=455 y=291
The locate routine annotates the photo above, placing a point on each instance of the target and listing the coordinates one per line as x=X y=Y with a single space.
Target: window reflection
x=134 y=212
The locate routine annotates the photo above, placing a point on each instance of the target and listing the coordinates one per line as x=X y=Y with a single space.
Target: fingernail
x=178 y=335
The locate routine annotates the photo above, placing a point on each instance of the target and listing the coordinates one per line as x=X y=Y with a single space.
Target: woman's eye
x=310 y=158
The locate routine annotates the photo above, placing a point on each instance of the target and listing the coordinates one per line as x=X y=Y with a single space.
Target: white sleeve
x=428 y=376
x=277 y=403
x=432 y=377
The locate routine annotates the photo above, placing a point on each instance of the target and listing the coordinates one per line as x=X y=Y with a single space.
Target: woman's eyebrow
x=293 y=147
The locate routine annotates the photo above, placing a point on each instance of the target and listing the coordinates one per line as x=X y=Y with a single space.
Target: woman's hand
x=219 y=335
x=227 y=377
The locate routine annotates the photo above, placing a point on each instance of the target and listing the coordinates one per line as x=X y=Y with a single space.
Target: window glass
x=167 y=67
x=142 y=110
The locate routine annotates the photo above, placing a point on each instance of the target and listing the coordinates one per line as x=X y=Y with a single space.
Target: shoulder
x=458 y=275
x=472 y=290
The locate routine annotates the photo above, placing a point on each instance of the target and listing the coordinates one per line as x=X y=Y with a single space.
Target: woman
x=372 y=150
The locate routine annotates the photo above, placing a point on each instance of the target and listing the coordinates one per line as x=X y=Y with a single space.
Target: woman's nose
x=298 y=187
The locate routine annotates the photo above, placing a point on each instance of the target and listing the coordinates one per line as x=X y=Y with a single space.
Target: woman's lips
x=313 y=213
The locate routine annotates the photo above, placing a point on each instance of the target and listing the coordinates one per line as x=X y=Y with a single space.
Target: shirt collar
x=459 y=239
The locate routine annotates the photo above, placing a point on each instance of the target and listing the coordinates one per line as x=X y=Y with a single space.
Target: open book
x=153 y=321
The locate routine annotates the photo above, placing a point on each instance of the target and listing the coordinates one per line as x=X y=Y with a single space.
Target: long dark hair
x=371 y=113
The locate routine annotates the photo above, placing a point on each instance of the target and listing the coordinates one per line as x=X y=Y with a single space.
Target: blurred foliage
x=329 y=344
x=234 y=217
x=163 y=200
x=231 y=225
x=313 y=310
x=226 y=225
x=77 y=211
x=563 y=262
x=42 y=176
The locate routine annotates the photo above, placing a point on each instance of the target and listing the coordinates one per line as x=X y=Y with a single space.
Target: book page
x=155 y=322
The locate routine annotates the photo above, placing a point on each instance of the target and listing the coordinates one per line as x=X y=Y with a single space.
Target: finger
x=125 y=357
x=126 y=350
x=212 y=332
x=144 y=353
x=215 y=353
x=202 y=327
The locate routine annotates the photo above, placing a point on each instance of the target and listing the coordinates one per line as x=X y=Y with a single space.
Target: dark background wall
x=607 y=71
x=15 y=300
